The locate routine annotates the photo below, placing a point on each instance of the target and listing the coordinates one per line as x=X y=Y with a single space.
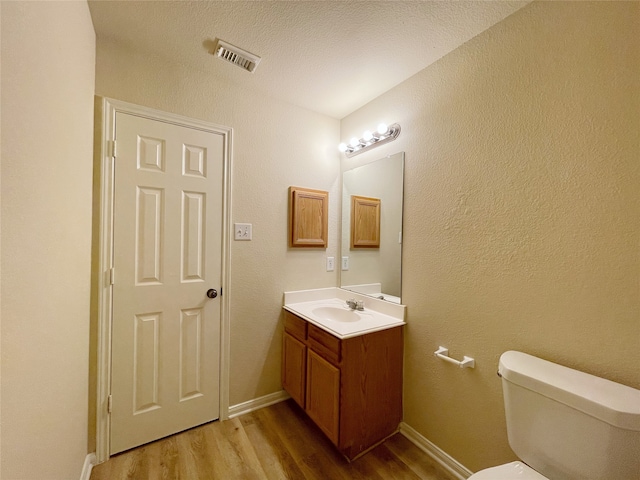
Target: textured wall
x=522 y=211
x=275 y=145
x=48 y=65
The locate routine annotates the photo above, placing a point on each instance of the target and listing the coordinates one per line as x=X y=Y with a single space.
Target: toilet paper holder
x=466 y=362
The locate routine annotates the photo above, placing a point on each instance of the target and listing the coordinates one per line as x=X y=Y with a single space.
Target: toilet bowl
x=508 y=471
x=566 y=424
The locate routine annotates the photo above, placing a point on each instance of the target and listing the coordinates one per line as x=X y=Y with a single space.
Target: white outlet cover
x=345 y=263
x=242 y=231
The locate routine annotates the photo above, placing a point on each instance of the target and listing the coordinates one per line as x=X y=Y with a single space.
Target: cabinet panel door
x=308 y=217
x=323 y=394
x=294 y=363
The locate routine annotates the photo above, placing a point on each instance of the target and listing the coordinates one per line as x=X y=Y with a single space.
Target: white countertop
x=377 y=314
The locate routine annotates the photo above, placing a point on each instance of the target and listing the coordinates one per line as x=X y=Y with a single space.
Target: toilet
x=566 y=425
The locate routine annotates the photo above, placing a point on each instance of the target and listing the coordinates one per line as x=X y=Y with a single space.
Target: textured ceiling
x=328 y=56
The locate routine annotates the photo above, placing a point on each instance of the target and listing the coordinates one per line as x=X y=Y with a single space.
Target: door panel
x=193 y=221
x=294 y=368
x=323 y=394
x=167 y=254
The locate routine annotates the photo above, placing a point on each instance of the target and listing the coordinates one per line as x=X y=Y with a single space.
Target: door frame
x=105 y=116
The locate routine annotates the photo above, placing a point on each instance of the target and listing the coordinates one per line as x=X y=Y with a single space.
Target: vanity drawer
x=324 y=343
x=295 y=325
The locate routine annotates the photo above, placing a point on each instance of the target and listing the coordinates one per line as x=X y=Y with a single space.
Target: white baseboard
x=257 y=403
x=89 y=462
x=446 y=461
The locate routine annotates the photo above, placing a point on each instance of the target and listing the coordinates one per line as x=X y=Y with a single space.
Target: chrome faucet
x=354 y=304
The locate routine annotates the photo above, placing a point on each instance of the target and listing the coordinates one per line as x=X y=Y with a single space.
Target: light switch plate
x=345 y=263
x=242 y=231
x=331 y=263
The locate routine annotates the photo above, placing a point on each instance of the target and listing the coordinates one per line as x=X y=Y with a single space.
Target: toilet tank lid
x=611 y=402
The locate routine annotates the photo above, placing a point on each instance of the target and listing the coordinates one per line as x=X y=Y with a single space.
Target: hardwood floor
x=276 y=442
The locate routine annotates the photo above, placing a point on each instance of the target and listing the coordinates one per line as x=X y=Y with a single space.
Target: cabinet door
x=308 y=217
x=323 y=394
x=294 y=363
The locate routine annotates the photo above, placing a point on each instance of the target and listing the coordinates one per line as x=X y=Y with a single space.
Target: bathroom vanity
x=344 y=368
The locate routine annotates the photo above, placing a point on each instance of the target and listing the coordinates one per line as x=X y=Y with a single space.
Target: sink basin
x=337 y=314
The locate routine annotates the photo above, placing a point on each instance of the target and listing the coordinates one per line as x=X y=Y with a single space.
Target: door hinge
x=111 y=148
x=109 y=403
x=112 y=276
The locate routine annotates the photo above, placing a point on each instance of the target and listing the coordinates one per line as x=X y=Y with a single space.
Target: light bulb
x=382 y=128
x=354 y=142
x=342 y=147
x=367 y=136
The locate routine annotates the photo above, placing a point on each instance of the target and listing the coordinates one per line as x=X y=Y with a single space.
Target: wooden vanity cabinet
x=351 y=388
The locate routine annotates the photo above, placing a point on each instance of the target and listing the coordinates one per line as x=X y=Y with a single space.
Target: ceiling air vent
x=237 y=56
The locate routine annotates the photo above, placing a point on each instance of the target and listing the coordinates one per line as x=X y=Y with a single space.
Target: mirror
x=372 y=202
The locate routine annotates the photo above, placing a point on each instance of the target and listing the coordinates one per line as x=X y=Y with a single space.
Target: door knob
x=212 y=293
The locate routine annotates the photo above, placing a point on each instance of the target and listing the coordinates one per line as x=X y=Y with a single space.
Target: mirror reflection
x=371 y=248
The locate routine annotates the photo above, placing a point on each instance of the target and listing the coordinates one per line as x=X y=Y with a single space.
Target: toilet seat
x=508 y=471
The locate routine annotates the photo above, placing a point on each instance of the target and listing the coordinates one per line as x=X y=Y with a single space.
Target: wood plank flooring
x=276 y=442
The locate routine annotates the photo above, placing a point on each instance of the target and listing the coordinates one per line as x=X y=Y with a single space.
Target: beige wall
x=48 y=57
x=522 y=208
x=275 y=145
x=522 y=213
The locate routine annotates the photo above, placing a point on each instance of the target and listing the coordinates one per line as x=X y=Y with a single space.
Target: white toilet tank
x=570 y=425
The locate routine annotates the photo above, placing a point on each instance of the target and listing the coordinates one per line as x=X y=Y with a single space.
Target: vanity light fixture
x=383 y=134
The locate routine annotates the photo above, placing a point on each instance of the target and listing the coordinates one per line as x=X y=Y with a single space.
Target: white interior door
x=167 y=256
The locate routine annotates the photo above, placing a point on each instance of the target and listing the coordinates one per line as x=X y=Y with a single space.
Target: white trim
x=105 y=262
x=443 y=459
x=106 y=109
x=225 y=300
x=257 y=403
x=89 y=463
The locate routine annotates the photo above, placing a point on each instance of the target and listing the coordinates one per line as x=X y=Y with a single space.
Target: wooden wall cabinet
x=351 y=388
x=308 y=222
x=365 y=222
